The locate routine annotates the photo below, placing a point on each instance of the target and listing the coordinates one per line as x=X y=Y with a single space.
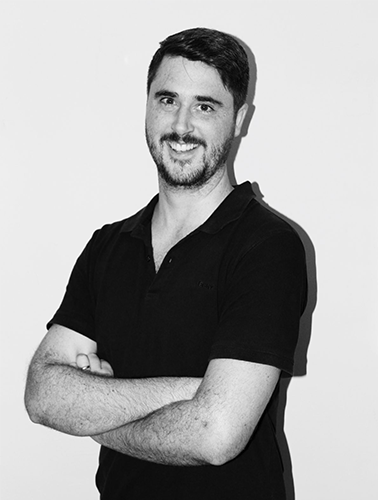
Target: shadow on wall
x=305 y=327
x=249 y=115
x=300 y=362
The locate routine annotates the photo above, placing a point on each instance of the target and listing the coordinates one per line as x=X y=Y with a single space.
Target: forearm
x=81 y=403
x=178 y=434
x=212 y=428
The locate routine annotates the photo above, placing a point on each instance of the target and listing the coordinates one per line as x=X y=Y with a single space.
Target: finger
x=82 y=361
x=95 y=362
x=106 y=368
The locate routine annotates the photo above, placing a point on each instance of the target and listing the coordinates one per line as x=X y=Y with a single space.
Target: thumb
x=82 y=361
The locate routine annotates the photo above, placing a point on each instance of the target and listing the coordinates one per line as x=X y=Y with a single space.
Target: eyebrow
x=207 y=98
x=165 y=93
x=199 y=98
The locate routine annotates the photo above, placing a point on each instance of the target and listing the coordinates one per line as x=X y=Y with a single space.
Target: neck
x=187 y=209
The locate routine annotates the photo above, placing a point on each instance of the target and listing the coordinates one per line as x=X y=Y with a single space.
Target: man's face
x=190 y=122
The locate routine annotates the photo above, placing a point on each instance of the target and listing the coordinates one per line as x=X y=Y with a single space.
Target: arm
x=62 y=396
x=211 y=428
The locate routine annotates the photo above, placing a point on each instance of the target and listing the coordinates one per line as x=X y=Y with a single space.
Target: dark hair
x=219 y=50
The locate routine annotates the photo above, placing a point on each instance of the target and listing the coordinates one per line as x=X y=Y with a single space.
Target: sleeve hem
x=75 y=324
x=236 y=352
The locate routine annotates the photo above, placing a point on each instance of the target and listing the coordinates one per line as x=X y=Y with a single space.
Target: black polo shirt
x=233 y=288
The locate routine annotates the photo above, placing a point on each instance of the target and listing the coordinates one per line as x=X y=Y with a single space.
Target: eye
x=167 y=101
x=205 y=108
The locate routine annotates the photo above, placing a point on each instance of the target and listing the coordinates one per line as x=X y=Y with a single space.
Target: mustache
x=186 y=139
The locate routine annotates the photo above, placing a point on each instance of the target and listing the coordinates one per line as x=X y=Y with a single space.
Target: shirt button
x=170 y=260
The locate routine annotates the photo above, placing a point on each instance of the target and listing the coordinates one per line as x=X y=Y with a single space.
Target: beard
x=184 y=176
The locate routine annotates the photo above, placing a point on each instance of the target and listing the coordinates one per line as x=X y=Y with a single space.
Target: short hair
x=214 y=48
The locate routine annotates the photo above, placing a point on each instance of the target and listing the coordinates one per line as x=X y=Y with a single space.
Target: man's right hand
x=93 y=364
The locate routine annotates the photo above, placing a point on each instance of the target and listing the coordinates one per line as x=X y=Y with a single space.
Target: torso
x=162 y=243
x=165 y=236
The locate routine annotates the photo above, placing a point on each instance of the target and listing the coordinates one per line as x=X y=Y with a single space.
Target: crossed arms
x=167 y=420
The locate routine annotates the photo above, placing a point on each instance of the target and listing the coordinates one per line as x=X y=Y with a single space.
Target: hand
x=92 y=363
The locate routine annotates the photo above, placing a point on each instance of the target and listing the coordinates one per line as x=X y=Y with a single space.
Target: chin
x=188 y=180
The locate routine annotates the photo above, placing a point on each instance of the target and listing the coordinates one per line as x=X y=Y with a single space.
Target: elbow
x=222 y=454
x=35 y=401
x=42 y=410
x=31 y=405
x=46 y=406
x=222 y=444
x=34 y=416
x=33 y=396
x=32 y=412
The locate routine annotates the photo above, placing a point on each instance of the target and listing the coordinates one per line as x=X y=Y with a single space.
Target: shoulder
x=265 y=252
x=112 y=231
x=261 y=226
x=107 y=238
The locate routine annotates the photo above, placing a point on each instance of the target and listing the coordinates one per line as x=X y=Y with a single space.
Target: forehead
x=190 y=78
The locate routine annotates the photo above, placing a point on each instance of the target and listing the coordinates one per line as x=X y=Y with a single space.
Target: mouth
x=182 y=147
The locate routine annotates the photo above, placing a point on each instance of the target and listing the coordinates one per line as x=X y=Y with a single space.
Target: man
x=178 y=321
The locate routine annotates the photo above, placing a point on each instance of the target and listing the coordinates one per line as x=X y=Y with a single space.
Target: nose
x=182 y=123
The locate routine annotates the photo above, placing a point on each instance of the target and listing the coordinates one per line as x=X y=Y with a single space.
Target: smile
x=182 y=148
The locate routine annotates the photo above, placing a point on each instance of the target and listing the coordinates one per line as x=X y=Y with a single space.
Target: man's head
x=214 y=48
x=196 y=105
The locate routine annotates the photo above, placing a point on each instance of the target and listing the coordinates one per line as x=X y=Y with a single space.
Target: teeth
x=181 y=148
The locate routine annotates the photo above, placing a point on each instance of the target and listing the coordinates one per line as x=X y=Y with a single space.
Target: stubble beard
x=185 y=177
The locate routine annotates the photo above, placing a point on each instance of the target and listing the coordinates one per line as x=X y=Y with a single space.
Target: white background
x=73 y=157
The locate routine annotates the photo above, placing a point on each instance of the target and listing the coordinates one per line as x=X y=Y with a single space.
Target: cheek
x=215 y=137
x=156 y=124
x=225 y=132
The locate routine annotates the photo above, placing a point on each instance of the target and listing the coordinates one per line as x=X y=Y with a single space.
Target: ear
x=240 y=116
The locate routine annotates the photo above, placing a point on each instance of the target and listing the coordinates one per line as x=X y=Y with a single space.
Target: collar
x=142 y=218
x=229 y=210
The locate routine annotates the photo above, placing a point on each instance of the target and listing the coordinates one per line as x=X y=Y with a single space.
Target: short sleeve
x=265 y=297
x=78 y=305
